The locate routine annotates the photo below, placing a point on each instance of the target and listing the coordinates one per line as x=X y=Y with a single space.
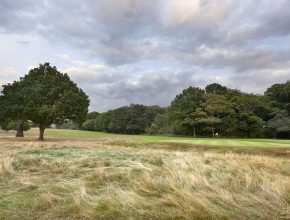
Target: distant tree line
x=132 y=119
x=204 y=112
x=46 y=97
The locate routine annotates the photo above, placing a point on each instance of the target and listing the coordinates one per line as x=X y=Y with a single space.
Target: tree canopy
x=205 y=112
x=44 y=96
x=132 y=119
x=279 y=94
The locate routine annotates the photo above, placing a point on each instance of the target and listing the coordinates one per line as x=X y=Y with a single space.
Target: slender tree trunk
x=41 y=132
x=212 y=129
x=20 y=128
x=193 y=130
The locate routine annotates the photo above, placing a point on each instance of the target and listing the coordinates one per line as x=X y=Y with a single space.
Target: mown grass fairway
x=55 y=133
x=89 y=175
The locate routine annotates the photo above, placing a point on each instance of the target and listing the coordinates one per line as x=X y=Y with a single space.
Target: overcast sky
x=147 y=51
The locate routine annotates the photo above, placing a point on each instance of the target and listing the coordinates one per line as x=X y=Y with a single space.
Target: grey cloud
x=259 y=20
x=276 y=22
x=241 y=59
x=116 y=87
x=199 y=37
x=259 y=81
x=24 y=42
x=117 y=32
x=18 y=16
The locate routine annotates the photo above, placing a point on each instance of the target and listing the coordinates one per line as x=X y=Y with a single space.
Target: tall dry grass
x=88 y=180
x=6 y=167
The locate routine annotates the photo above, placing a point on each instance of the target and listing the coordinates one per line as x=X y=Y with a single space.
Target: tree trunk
x=212 y=129
x=41 y=132
x=193 y=130
x=20 y=128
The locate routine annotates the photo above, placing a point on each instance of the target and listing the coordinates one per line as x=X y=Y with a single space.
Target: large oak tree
x=45 y=96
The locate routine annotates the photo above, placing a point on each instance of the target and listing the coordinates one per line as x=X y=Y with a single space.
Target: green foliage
x=279 y=124
x=279 y=94
x=119 y=120
x=45 y=96
x=4 y=125
x=138 y=118
x=160 y=125
x=2 y=115
x=92 y=115
x=182 y=107
x=102 y=121
x=199 y=112
x=216 y=88
x=9 y=125
x=249 y=125
x=195 y=111
x=250 y=113
x=219 y=109
x=132 y=119
x=88 y=125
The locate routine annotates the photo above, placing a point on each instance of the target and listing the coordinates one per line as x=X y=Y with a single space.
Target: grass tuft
x=6 y=166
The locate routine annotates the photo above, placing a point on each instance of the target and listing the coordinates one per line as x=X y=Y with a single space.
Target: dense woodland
x=215 y=110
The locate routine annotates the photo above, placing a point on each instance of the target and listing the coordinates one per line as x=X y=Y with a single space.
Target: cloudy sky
x=146 y=51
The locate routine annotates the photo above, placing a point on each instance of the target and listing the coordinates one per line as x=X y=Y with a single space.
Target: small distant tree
x=45 y=96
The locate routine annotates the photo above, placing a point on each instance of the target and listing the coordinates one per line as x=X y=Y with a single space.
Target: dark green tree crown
x=45 y=96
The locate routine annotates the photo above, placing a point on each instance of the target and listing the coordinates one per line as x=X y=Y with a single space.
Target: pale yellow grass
x=91 y=179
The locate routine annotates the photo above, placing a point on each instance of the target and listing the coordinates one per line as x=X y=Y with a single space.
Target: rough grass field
x=88 y=175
